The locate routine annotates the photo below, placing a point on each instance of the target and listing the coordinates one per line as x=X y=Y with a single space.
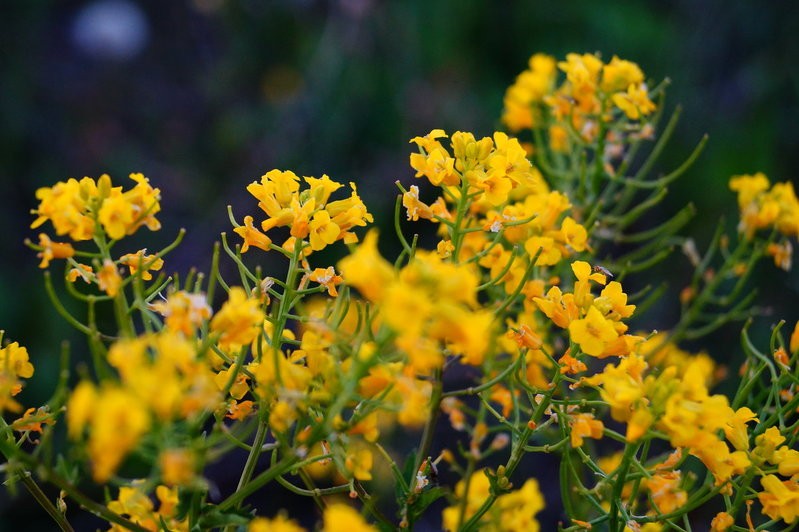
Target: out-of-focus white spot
x=110 y=29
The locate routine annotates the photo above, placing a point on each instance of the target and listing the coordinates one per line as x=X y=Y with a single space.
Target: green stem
x=45 y=503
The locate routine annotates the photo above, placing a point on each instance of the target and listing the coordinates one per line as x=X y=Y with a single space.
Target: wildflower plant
x=514 y=331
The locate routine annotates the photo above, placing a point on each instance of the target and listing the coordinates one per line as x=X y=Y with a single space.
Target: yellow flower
x=14 y=360
x=366 y=269
x=721 y=522
x=529 y=89
x=323 y=231
x=252 y=236
x=14 y=364
x=736 y=431
x=321 y=189
x=53 y=250
x=279 y=523
x=359 y=463
x=326 y=277
x=664 y=488
x=512 y=512
x=183 y=311
x=239 y=320
x=80 y=408
x=780 y=499
x=66 y=206
x=786 y=460
x=138 y=260
x=177 y=466
x=282 y=416
x=108 y=278
x=620 y=74
x=635 y=102
x=766 y=444
x=592 y=333
x=558 y=307
x=342 y=518
x=584 y=426
x=118 y=421
x=116 y=214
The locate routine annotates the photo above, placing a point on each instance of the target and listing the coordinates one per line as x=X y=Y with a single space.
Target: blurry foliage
x=224 y=90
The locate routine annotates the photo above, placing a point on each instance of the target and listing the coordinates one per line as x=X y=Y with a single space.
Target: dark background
x=205 y=96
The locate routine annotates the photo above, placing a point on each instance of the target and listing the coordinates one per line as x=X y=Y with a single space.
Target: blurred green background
x=205 y=96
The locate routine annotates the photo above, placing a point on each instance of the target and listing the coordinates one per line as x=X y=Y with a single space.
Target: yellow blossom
x=108 y=278
x=666 y=491
x=183 y=311
x=118 y=421
x=53 y=250
x=139 y=261
x=239 y=320
x=342 y=518
x=721 y=522
x=366 y=269
x=780 y=499
x=359 y=463
x=252 y=236
x=584 y=426
x=326 y=277
x=592 y=333
x=177 y=466
x=635 y=102
x=279 y=523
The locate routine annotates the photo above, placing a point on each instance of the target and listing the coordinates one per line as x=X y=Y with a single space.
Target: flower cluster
x=514 y=329
x=592 y=92
x=80 y=208
x=309 y=213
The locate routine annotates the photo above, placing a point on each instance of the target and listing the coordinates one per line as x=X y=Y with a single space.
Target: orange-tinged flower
x=570 y=365
x=32 y=420
x=721 y=522
x=416 y=209
x=525 y=337
x=782 y=253
x=139 y=261
x=53 y=250
x=326 y=277
x=81 y=270
x=239 y=410
x=667 y=495
x=252 y=236
x=584 y=426
x=436 y=165
x=558 y=307
x=639 y=423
